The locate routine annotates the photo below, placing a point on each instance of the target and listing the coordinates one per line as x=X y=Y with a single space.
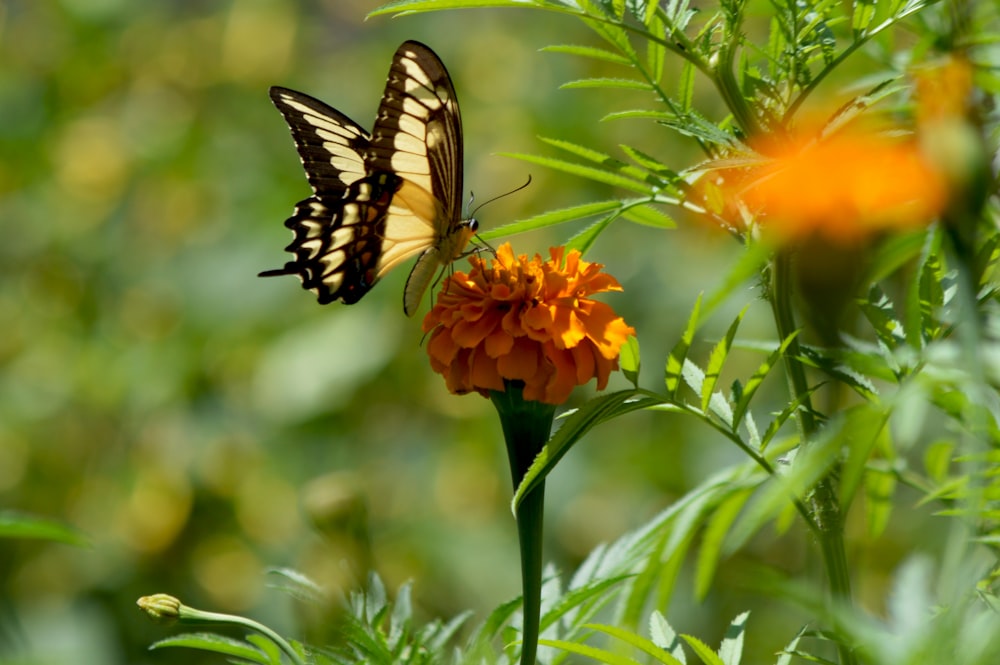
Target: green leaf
x=664 y=636
x=702 y=650
x=592 y=413
x=19 y=525
x=937 y=459
x=749 y=265
x=675 y=362
x=648 y=216
x=655 y=50
x=878 y=309
x=607 y=82
x=586 y=238
x=590 y=173
x=220 y=644
x=649 y=163
x=600 y=655
x=589 y=52
x=717 y=359
x=862 y=15
x=267 y=647
x=637 y=641
x=685 y=86
x=628 y=360
x=866 y=429
x=755 y=381
x=552 y=218
x=711 y=544
x=420 y=6
x=731 y=649
x=607 y=161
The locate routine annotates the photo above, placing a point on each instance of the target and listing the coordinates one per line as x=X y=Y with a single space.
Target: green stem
x=827 y=522
x=168 y=609
x=526 y=427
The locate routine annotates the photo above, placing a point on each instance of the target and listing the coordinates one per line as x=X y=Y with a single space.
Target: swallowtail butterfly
x=379 y=198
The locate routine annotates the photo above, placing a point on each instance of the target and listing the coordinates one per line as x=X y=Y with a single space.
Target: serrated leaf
x=675 y=361
x=552 y=218
x=757 y=379
x=600 y=655
x=220 y=644
x=586 y=238
x=637 y=641
x=592 y=413
x=649 y=216
x=649 y=162
x=702 y=650
x=862 y=15
x=664 y=636
x=607 y=82
x=588 y=172
x=589 y=52
x=685 y=86
x=717 y=359
x=731 y=649
x=655 y=50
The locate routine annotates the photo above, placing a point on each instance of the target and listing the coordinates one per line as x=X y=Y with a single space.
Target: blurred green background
x=200 y=425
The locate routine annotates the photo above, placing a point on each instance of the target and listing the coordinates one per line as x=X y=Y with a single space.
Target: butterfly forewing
x=383 y=198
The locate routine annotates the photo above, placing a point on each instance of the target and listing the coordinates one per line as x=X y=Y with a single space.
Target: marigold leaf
x=552 y=218
x=588 y=52
x=717 y=359
x=14 y=524
x=675 y=361
x=649 y=216
x=607 y=82
x=664 y=636
x=216 y=644
x=594 y=412
x=731 y=649
x=702 y=650
x=588 y=172
x=600 y=655
x=628 y=360
x=755 y=381
x=638 y=641
x=711 y=544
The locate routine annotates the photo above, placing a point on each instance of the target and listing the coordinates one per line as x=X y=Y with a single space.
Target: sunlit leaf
x=589 y=52
x=675 y=361
x=637 y=641
x=731 y=648
x=552 y=218
x=702 y=650
x=592 y=413
x=220 y=644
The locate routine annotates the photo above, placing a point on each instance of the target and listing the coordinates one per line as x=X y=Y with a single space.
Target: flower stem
x=526 y=427
x=824 y=504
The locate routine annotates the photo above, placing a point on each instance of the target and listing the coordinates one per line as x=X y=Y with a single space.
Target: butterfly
x=383 y=197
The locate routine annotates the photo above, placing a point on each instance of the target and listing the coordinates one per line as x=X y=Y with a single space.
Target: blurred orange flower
x=525 y=320
x=844 y=187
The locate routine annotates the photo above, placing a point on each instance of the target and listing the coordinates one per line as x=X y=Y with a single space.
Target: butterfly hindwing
x=380 y=198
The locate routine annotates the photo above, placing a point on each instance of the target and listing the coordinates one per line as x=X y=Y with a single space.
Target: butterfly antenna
x=497 y=197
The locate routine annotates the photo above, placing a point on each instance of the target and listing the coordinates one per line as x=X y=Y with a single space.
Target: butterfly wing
x=383 y=198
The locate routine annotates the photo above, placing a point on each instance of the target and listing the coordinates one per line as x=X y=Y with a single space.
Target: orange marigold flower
x=525 y=320
x=844 y=187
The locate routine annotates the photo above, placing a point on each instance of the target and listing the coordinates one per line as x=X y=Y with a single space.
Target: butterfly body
x=383 y=197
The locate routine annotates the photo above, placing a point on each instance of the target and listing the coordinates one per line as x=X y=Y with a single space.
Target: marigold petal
x=525 y=320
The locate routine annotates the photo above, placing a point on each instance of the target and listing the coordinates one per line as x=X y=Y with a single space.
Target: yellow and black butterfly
x=380 y=198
